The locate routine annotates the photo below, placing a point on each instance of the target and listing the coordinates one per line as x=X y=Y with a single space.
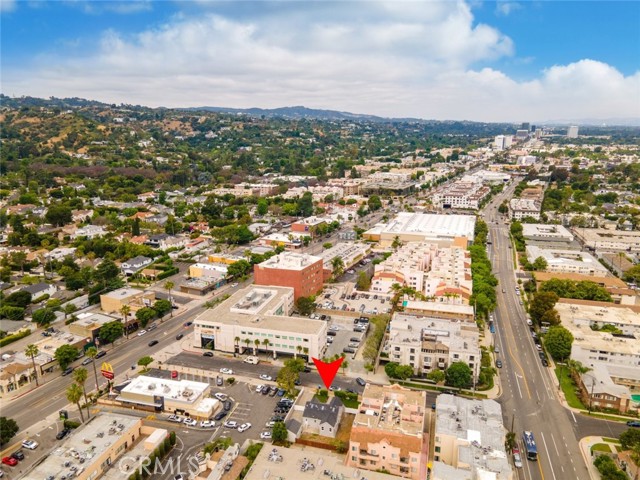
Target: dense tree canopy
x=558 y=341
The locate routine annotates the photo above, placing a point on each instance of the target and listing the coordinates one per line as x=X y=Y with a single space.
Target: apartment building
x=442 y=273
x=350 y=253
x=462 y=194
x=429 y=343
x=308 y=225
x=300 y=271
x=567 y=261
x=96 y=447
x=469 y=440
x=520 y=208
x=602 y=239
x=390 y=432
x=318 y=192
x=546 y=233
x=260 y=314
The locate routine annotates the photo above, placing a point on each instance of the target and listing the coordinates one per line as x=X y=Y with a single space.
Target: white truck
x=252 y=360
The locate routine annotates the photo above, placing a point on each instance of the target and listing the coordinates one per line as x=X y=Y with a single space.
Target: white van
x=252 y=360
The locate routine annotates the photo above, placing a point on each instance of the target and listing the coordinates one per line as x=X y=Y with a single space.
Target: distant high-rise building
x=572 y=132
x=533 y=128
x=525 y=126
x=522 y=134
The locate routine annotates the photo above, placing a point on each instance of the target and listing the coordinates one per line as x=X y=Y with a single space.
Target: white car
x=221 y=396
x=231 y=424
x=207 y=424
x=141 y=332
x=244 y=427
x=226 y=371
x=175 y=418
x=190 y=422
x=269 y=424
x=517 y=460
x=30 y=444
x=265 y=435
x=234 y=285
x=334 y=328
x=259 y=388
x=268 y=378
x=351 y=271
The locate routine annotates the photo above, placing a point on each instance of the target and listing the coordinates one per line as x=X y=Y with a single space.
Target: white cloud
x=505 y=7
x=394 y=59
x=7 y=5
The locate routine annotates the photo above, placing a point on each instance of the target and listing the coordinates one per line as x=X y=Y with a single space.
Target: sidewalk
x=585 y=445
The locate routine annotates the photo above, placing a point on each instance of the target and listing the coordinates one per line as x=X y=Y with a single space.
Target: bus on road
x=530 y=446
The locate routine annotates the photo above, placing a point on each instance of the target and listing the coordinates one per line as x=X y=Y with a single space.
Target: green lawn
x=601 y=447
x=611 y=418
x=611 y=440
x=569 y=388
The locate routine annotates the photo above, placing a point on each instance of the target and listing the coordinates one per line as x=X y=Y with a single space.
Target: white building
x=90 y=231
x=502 y=142
x=602 y=239
x=572 y=132
x=428 y=343
x=469 y=440
x=350 y=253
x=430 y=270
x=260 y=314
x=524 y=207
x=546 y=233
x=568 y=261
x=461 y=194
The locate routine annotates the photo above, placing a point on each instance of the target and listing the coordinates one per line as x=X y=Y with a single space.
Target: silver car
x=517 y=460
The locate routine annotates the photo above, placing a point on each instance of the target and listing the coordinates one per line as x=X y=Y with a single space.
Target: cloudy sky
x=474 y=60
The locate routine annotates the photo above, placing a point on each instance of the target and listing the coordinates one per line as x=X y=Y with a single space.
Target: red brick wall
x=305 y=282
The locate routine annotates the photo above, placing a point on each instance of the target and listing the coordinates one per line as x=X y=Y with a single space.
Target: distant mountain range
x=299 y=112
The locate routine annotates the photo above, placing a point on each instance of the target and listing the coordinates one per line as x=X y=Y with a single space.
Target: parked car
x=231 y=424
x=207 y=424
x=633 y=423
x=266 y=377
x=259 y=388
x=141 y=332
x=265 y=435
x=175 y=418
x=517 y=459
x=265 y=390
x=18 y=455
x=499 y=363
x=207 y=354
x=281 y=392
x=361 y=381
x=187 y=324
x=101 y=354
x=87 y=361
x=179 y=336
x=30 y=444
x=226 y=371
x=190 y=422
x=273 y=392
x=227 y=405
x=220 y=415
x=270 y=424
x=12 y=462
x=244 y=427
x=67 y=371
x=219 y=381
x=152 y=343
x=331 y=333
x=63 y=433
x=221 y=396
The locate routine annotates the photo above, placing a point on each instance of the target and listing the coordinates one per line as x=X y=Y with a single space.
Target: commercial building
x=306 y=463
x=113 y=302
x=423 y=227
x=430 y=343
x=572 y=132
x=182 y=397
x=567 y=261
x=94 y=449
x=88 y=324
x=463 y=313
x=213 y=271
x=309 y=225
x=469 y=440
x=520 y=208
x=440 y=273
x=390 y=432
x=539 y=232
x=619 y=291
x=300 y=271
x=260 y=314
x=502 y=142
x=349 y=253
x=601 y=239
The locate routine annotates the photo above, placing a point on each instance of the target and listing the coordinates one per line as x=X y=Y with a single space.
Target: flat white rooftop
x=290 y=261
x=177 y=390
x=429 y=224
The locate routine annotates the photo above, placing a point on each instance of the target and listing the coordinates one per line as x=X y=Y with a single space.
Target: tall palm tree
x=247 y=342
x=265 y=342
x=236 y=341
x=169 y=285
x=344 y=365
x=92 y=352
x=298 y=350
x=74 y=394
x=256 y=342
x=125 y=311
x=305 y=350
x=32 y=351
x=510 y=441
x=80 y=375
x=338 y=266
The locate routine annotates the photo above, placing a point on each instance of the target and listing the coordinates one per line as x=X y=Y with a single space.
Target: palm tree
x=80 y=375
x=74 y=394
x=298 y=350
x=305 y=350
x=247 y=342
x=510 y=441
x=338 y=266
x=92 y=352
x=256 y=342
x=236 y=341
x=397 y=243
x=344 y=365
x=169 y=285
x=32 y=351
x=265 y=342
x=125 y=311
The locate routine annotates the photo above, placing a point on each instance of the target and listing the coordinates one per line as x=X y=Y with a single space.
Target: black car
x=227 y=405
x=360 y=381
x=307 y=370
x=265 y=390
x=331 y=333
x=67 y=371
x=220 y=416
x=18 y=455
x=207 y=354
x=348 y=350
x=273 y=392
x=153 y=342
x=545 y=363
x=277 y=418
x=499 y=363
x=63 y=433
x=179 y=336
x=101 y=354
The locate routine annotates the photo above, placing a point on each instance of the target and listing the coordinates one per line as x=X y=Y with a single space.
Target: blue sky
x=541 y=60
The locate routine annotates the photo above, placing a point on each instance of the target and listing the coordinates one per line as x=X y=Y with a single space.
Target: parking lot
x=341 y=336
x=343 y=297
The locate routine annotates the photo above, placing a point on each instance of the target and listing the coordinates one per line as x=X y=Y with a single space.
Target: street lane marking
x=518 y=384
x=546 y=449
x=574 y=417
x=554 y=444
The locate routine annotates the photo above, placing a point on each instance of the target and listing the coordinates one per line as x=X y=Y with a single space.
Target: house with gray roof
x=322 y=418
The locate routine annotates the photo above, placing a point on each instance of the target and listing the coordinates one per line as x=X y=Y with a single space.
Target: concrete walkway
x=585 y=448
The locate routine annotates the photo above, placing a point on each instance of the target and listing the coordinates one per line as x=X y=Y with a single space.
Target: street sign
x=107 y=371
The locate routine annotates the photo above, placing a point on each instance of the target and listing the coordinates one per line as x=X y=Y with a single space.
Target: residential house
x=39 y=289
x=134 y=265
x=322 y=418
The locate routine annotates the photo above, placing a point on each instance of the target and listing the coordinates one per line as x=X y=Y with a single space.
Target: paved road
x=529 y=399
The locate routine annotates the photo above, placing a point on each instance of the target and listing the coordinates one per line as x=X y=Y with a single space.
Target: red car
x=12 y=462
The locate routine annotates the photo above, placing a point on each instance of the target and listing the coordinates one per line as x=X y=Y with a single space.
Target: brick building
x=299 y=271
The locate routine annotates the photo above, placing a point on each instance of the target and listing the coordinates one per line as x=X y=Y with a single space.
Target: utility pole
x=593 y=383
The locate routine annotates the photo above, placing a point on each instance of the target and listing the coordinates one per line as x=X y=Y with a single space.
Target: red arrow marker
x=327 y=371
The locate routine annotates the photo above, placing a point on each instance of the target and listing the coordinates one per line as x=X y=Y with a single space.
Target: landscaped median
x=569 y=388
